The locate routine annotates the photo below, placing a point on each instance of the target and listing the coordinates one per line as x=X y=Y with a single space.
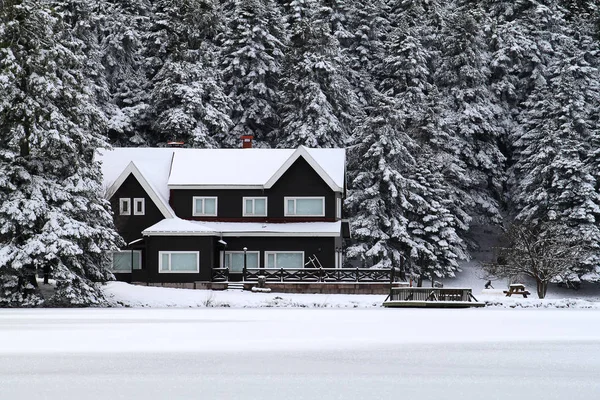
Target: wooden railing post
x=281 y=274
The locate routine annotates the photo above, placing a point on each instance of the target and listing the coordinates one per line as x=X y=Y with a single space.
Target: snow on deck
x=209 y=228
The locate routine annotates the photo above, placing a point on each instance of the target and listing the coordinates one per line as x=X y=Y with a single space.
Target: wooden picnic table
x=517 y=288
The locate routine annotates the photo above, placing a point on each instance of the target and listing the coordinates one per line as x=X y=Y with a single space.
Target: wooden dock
x=431 y=297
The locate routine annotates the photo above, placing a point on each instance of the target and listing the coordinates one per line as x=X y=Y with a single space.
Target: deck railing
x=430 y=294
x=307 y=275
x=220 y=274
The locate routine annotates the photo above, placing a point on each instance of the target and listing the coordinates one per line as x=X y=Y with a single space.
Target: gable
x=303 y=153
x=130 y=226
x=149 y=190
x=300 y=179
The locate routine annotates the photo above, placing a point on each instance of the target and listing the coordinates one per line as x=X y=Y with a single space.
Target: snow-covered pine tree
x=318 y=106
x=52 y=213
x=84 y=20
x=399 y=207
x=126 y=26
x=368 y=26
x=433 y=225
x=337 y=12
x=252 y=59
x=470 y=124
x=187 y=99
x=405 y=73
x=553 y=178
x=520 y=51
x=379 y=161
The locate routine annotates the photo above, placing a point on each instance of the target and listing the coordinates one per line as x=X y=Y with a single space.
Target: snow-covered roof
x=169 y=168
x=182 y=227
x=251 y=168
x=151 y=166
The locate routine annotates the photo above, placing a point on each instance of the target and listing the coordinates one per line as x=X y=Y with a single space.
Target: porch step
x=235 y=286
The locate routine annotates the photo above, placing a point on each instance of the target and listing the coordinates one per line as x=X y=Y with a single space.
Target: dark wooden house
x=186 y=213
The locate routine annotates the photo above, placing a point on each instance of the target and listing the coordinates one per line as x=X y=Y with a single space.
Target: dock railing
x=430 y=294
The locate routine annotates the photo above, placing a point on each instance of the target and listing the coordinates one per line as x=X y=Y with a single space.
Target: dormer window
x=125 y=206
x=139 y=206
x=304 y=206
x=204 y=206
x=255 y=206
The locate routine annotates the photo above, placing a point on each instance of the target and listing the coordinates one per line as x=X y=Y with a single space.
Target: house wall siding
x=322 y=247
x=299 y=180
x=209 y=249
x=204 y=245
x=130 y=227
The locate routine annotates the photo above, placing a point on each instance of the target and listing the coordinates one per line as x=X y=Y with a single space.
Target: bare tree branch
x=543 y=252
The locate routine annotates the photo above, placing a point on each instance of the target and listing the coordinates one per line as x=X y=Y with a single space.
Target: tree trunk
x=32 y=280
x=542 y=287
x=420 y=281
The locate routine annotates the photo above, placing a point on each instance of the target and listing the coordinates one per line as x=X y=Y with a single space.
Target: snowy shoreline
x=122 y=294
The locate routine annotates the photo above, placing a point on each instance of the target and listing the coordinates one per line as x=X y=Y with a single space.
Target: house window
x=305 y=206
x=205 y=206
x=255 y=206
x=139 y=206
x=284 y=259
x=338 y=208
x=234 y=260
x=126 y=260
x=125 y=206
x=178 y=261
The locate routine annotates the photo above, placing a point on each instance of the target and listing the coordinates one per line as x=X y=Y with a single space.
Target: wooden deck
x=362 y=275
x=431 y=298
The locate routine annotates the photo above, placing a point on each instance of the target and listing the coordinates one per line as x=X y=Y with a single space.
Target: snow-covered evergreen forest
x=453 y=113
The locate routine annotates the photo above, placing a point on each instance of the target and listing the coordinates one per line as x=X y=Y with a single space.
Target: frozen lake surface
x=299 y=354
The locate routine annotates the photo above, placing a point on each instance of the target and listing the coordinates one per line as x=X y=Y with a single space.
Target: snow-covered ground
x=221 y=353
x=123 y=294
x=127 y=295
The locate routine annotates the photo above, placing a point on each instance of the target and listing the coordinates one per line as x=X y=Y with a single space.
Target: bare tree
x=544 y=252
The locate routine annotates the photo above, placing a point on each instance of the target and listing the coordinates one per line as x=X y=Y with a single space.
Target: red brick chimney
x=247 y=141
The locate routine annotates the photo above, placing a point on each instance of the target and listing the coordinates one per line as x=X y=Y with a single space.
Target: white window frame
x=338 y=208
x=245 y=212
x=136 y=201
x=195 y=212
x=161 y=253
x=112 y=261
x=267 y=253
x=123 y=201
x=226 y=252
x=285 y=205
